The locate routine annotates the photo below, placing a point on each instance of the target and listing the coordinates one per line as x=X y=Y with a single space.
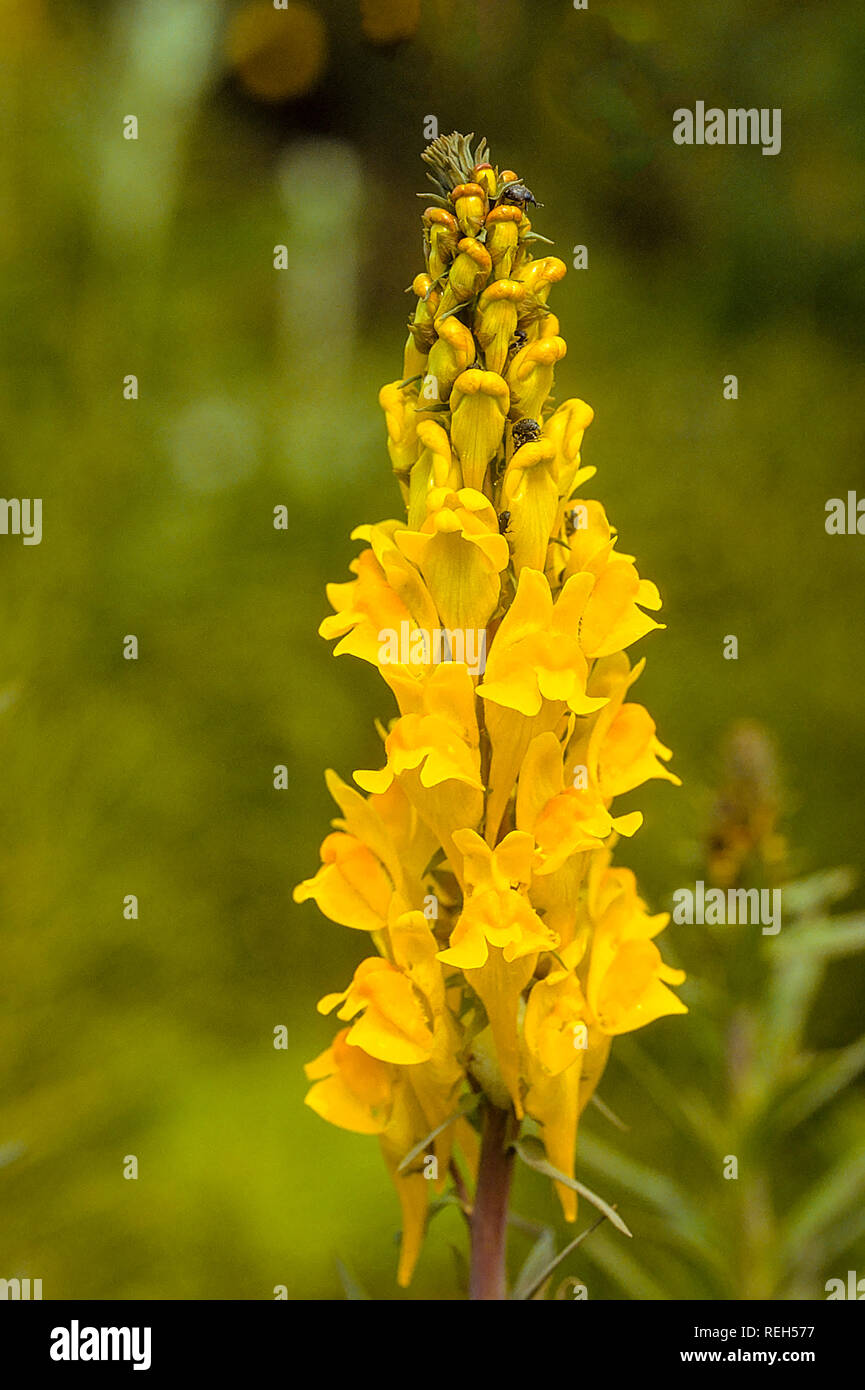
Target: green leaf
x=806 y=896
x=690 y=1114
x=823 y=1081
x=540 y=1255
x=790 y=992
x=608 y=1114
x=614 y=1259
x=836 y=936
x=447 y=1199
x=353 y=1290
x=686 y=1226
x=836 y=1194
x=532 y=1281
x=531 y=1151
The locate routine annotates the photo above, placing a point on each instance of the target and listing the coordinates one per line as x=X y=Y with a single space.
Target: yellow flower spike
x=485 y=175
x=620 y=748
x=523 y=254
x=413 y=946
x=453 y=351
x=352 y=886
x=535 y=670
x=392 y=1026
x=510 y=862
x=405 y=1129
x=430 y=744
x=435 y=755
x=442 y=236
x=499 y=985
x=565 y=429
x=531 y=376
x=414 y=360
x=402 y=421
x=478 y=858
x=627 y=980
x=503 y=231
x=535 y=654
x=437 y=1080
x=564 y=820
x=496 y=913
x=467 y=276
x=460 y=553
x=547 y=327
x=470 y=203
x=496 y=320
x=555 y=1009
x=613 y=616
x=402 y=576
x=388 y=595
x=434 y=470
x=422 y=325
x=539 y=276
x=497 y=939
x=530 y=493
x=364 y=607
x=557 y=1100
x=479 y=407
x=352 y=1090
x=589 y=537
x=391 y=829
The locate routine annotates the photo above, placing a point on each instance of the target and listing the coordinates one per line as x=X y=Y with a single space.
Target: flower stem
x=490 y=1213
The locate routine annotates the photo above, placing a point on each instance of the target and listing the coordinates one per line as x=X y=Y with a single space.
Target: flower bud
x=468 y=275
x=470 y=202
x=503 y=229
x=479 y=408
x=496 y=320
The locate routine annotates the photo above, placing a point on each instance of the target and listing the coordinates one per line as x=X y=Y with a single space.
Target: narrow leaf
x=541 y=1278
x=538 y=1258
x=822 y=1084
x=531 y=1151
x=353 y=1290
x=608 y=1114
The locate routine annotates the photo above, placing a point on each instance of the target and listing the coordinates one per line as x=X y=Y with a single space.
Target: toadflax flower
x=505 y=950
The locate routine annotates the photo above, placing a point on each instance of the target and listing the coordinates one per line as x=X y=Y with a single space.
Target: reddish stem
x=490 y=1213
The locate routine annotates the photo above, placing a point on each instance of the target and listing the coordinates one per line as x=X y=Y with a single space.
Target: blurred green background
x=257 y=387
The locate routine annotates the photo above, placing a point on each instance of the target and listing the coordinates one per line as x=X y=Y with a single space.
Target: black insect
x=572 y=521
x=504 y=523
x=518 y=341
x=525 y=432
x=518 y=194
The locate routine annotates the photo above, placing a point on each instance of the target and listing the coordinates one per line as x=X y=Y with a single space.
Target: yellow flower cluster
x=508 y=951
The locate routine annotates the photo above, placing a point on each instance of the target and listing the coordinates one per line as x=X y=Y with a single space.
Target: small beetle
x=519 y=341
x=518 y=194
x=525 y=432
